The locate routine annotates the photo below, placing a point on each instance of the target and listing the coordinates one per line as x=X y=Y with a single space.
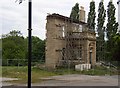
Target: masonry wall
x=53 y=43
x=57 y=35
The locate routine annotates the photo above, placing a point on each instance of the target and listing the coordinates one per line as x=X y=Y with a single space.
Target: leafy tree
x=91 y=16
x=12 y=33
x=100 y=30
x=75 y=12
x=14 y=47
x=114 y=57
x=112 y=27
x=101 y=20
x=116 y=48
x=38 y=49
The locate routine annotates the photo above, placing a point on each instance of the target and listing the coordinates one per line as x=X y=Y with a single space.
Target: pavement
x=71 y=80
x=80 y=80
x=4 y=83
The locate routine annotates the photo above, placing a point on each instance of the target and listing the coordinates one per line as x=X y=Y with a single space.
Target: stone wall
x=71 y=36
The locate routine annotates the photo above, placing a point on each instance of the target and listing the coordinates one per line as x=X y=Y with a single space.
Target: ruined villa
x=69 y=42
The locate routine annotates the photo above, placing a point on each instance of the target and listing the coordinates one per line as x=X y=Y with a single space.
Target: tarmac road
x=71 y=80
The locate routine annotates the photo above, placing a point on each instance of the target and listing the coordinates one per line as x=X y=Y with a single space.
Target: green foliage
x=111 y=29
x=101 y=20
x=100 y=29
x=0 y=43
x=112 y=25
x=75 y=12
x=91 y=16
x=15 y=50
x=116 y=48
x=37 y=73
x=14 y=46
x=38 y=49
x=21 y=73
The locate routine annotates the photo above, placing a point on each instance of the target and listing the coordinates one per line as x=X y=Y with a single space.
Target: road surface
x=72 y=80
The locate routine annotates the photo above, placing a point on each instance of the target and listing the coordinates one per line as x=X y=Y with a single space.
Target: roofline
x=66 y=18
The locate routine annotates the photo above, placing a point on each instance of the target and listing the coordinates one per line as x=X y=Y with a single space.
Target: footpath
x=70 y=80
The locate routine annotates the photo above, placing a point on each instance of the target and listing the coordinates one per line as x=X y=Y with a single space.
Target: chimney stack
x=82 y=14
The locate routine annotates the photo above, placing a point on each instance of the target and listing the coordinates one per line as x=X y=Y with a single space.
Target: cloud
x=15 y=16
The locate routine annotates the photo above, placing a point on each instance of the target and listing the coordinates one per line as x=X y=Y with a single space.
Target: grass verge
x=0 y=71
x=37 y=73
x=21 y=74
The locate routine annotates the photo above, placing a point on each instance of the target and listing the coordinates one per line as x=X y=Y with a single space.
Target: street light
x=29 y=39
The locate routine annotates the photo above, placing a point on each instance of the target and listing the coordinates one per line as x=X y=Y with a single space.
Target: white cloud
x=15 y=16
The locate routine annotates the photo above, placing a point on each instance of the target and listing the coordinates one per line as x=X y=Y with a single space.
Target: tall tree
x=111 y=29
x=101 y=19
x=100 y=30
x=112 y=25
x=75 y=12
x=116 y=48
x=91 y=16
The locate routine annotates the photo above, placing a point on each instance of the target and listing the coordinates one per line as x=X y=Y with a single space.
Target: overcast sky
x=13 y=16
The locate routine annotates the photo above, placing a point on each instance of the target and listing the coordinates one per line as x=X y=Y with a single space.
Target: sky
x=14 y=16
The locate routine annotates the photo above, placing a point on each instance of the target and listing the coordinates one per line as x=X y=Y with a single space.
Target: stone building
x=69 y=42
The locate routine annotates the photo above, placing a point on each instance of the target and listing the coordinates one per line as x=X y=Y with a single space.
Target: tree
x=91 y=16
x=101 y=20
x=116 y=48
x=12 y=33
x=100 y=30
x=75 y=12
x=112 y=25
x=14 y=47
x=111 y=29
x=38 y=49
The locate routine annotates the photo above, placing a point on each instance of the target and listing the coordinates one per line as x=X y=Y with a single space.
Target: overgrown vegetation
x=111 y=29
x=91 y=16
x=14 y=49
x=38 y=73
x=100 y=41
x=75 y=12
x=0 y=71
x=21 y=73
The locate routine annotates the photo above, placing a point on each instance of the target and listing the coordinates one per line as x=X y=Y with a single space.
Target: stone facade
x=69 y=42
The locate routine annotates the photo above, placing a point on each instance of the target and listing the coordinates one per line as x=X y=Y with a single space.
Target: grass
x=0 y=71
x=21 y=74
x=98 y=70
x=37 y=73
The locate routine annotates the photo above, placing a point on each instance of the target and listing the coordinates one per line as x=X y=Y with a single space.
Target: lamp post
x=29 y=41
